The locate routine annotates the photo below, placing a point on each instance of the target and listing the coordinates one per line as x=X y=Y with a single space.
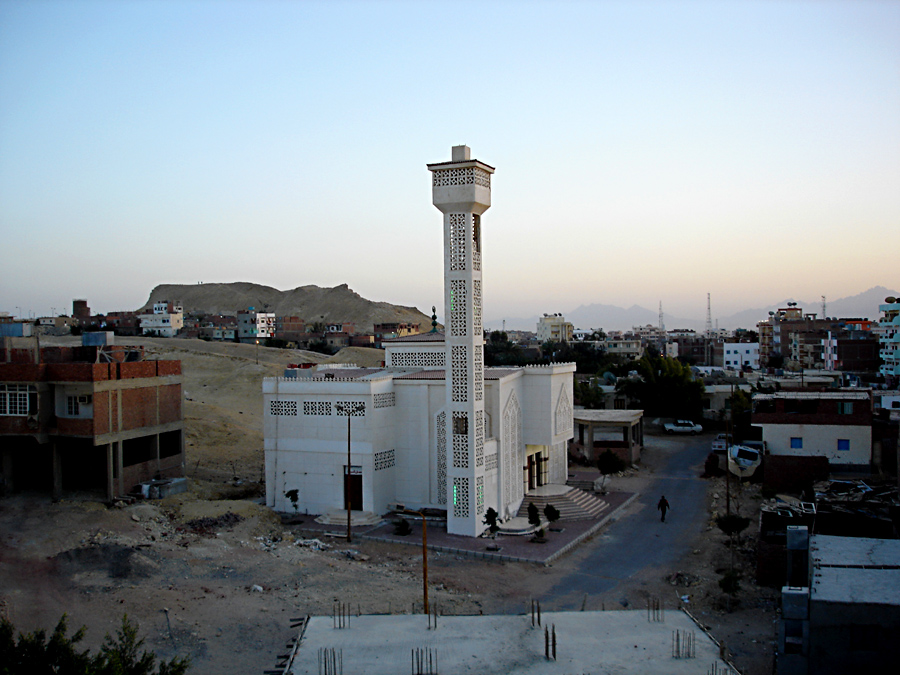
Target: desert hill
x=310 y=303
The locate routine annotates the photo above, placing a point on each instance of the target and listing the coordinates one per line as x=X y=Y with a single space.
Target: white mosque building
x=433 y=428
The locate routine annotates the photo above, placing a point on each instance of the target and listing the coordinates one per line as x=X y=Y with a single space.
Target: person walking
x=663 y=506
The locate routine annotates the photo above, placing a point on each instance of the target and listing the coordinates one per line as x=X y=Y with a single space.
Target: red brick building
x=88 y=418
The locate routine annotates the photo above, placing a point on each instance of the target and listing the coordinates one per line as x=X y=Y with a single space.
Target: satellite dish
x=890 y=299
x=771 y=313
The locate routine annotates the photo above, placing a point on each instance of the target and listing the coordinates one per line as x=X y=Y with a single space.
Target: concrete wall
x=820 y=440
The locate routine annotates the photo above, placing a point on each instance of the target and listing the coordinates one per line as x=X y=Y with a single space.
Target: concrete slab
x=586 y=642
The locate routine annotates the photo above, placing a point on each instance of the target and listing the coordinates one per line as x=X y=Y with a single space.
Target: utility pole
x=708 y=331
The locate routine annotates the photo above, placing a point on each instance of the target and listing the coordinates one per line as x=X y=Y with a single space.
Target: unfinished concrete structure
x=635 y=641
x=842 y=613
x=88 y=418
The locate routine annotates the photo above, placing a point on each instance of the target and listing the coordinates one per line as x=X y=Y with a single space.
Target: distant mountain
x=610 y=317
x=861 y=306
x=310 y=303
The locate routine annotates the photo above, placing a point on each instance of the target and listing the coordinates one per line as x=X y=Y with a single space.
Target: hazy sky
x=645 y=151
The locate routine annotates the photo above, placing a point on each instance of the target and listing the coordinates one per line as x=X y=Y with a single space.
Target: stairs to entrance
x=572 y=503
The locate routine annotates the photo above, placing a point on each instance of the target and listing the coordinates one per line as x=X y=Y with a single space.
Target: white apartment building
x=554 y=327
x=736 y=355
x=167 y=319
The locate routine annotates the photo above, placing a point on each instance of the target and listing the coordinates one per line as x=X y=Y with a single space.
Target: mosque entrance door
x=353 y=486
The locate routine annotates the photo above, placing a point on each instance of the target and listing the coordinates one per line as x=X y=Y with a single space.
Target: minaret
x=461 y=189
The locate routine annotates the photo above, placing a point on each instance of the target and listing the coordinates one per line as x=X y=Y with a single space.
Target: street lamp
x=257 y=351
x=348 y=408
x=424 y=555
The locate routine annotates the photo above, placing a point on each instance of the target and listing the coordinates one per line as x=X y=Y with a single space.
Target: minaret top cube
x=461 y=185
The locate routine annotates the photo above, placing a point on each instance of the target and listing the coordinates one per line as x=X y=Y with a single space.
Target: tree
x=492 y=520
x=664 y=386
x=534 y=518
x=33 y=654
x=609 y=462
x=551 y=513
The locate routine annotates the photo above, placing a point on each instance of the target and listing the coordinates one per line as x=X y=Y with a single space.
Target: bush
x=34 y=654
x=733 y=524
x=609 y=462
x=730 y=582
x=403 y=528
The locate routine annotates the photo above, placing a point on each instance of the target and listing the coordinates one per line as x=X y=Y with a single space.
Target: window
x=14 y=398
x=843 y=444
x=796 y=443
x=72 y=409
x=845 y=407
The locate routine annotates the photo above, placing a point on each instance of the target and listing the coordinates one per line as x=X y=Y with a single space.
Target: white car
x=682 y=427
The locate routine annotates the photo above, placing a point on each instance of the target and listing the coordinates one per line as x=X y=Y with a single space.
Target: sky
x=645 y=152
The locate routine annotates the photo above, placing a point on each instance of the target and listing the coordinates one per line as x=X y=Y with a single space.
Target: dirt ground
x=213 y=575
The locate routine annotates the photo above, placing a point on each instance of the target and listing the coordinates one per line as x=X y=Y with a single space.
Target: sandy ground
x=223 y=589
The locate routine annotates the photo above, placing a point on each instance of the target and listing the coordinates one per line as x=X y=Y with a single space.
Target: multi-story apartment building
x=88 y=418
x=740 y=355
x=166 y=320
x=253 y=325
x=888 y=332
x=554 y=328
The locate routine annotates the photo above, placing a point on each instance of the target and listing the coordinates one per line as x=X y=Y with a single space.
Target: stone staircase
x=587 y=485
x=572 y=504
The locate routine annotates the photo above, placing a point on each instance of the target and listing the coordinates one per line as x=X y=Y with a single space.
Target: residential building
x=81 y=312
x=123 y=323
x=740 y=355
x=433 y=428
x=290 y=328
x=387 y=331
x=834 y=425
x=555 y=328
x=888 y=332
x=853 y=351
x=166 y=320
x=255 y=326
x=88 y=418
x=622 y=348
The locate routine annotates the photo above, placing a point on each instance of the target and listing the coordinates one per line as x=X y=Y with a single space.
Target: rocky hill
x=310 y=303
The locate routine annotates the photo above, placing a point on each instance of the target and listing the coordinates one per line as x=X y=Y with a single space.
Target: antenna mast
x=662 y=332
x=708 y=330
x=824 y=315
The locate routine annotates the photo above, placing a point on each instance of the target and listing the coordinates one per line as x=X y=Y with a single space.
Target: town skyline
x=645 y=152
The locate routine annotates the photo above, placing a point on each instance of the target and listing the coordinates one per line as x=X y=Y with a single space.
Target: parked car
x=721 y=443
x=682 y=427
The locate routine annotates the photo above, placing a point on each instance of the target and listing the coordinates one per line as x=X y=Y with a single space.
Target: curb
x=498 y=557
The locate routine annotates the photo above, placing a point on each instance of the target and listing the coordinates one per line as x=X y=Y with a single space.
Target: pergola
x=630 y=422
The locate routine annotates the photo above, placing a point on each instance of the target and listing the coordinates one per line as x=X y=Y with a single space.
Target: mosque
x=433 y=428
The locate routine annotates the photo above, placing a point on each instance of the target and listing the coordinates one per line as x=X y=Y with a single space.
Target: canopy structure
x=619 y=431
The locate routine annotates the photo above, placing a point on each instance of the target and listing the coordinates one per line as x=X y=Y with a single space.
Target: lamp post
x=424 y=555
x=348 y=408
x=257 y=351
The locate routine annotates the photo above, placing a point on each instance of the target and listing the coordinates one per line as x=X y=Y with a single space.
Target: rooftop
x=855 y=569
x=613 y=641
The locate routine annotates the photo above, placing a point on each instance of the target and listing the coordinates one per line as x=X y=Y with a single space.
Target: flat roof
x=855 y=570
x=831 y=551
x=608 y=642
x=608 y=416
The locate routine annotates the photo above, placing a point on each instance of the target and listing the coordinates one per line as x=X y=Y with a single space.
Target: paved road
x=639 y=540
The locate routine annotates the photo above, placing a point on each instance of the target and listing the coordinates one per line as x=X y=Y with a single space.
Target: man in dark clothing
x=663 y=506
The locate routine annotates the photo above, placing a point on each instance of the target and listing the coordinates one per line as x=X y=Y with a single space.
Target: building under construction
x=94 y=417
